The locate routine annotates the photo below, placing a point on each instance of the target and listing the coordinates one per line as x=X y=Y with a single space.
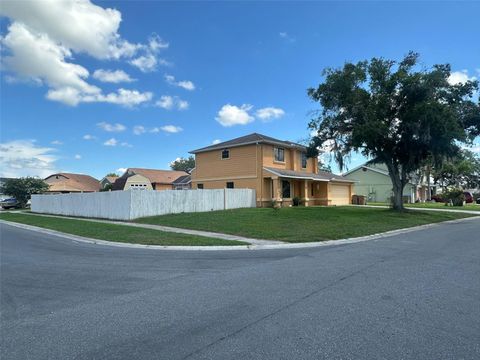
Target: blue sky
x=188 y=74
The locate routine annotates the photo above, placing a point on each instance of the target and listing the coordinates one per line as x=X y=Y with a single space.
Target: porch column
x=275 y=193
x=305 y=191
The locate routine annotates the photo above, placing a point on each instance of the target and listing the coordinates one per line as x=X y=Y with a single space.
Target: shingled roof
x=320 y=176
x=158 y=176
x=74 y=183
x=254 y=138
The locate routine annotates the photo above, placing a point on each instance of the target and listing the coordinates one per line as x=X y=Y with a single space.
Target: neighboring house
x=277 y=170
x=108 y=181
x=183 y=183
x=373 y=181
x=61 y=183
x=147 y=179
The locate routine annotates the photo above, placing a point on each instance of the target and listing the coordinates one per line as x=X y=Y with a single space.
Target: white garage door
x=340 y=194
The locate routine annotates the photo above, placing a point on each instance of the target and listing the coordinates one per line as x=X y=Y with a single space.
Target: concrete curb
x=472 y=212
x=239 y=247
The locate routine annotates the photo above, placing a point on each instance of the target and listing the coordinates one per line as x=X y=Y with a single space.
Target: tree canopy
x=397 y=113
x=183 y=164
x=462 y=170
x=23 y=188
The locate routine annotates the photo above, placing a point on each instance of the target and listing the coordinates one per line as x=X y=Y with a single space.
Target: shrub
x=297 y=201
x=454 y=197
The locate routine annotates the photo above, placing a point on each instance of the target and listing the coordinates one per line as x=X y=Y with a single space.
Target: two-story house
x=278 y=170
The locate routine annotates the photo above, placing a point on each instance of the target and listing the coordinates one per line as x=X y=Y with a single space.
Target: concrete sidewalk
x=473 y=212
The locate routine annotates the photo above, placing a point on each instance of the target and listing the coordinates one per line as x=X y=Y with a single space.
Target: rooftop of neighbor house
x=183 y=180
x=156 y=176
x=111 y=178
x=320 y=176
x=74 y=182
x=253 y=138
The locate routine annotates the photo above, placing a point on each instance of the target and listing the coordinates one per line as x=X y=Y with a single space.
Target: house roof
x=111 y=179
x=183 y=180
x=74 y=182
x=321 y=176
x=253 y=138
x=371 y=168
x=158 y=176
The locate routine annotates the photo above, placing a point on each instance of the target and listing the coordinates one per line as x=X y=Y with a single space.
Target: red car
x=468 y=197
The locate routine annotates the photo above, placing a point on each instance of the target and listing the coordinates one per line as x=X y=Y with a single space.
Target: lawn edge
x=346 y=241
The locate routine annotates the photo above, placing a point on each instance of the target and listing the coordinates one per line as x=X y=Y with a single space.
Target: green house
x=373 y=181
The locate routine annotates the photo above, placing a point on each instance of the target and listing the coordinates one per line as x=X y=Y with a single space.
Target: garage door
x=340 y=194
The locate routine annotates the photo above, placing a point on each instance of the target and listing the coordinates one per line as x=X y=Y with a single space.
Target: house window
x=304 y=160
x=285 y=189
x=313 y=189
x=225 y=154
x=230 y=185
x=279 y=154
x=199 y=186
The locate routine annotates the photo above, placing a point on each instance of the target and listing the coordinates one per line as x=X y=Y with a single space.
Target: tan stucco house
x=149 y=179
x=61 y=183
x=277 y=170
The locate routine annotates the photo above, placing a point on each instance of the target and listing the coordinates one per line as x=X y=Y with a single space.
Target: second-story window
x=279 y=154
x=304 y=160
x=225 y=154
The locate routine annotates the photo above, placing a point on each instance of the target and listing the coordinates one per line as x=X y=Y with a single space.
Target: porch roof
x=321 y=176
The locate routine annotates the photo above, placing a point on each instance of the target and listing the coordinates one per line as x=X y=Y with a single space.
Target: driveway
x=411 y=296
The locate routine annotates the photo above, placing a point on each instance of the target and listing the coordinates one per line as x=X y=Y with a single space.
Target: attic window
x=364 y=169
x=225 y=154
x=304 y=160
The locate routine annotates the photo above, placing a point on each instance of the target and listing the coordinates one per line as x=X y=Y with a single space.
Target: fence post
x=224 y=198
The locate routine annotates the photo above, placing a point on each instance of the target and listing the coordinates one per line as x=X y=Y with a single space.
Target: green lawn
x=302 y=224
x=470 y=207
x=118 y=233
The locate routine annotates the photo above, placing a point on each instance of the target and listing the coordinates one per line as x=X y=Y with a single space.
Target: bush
x=454 y=196
x=297 y=201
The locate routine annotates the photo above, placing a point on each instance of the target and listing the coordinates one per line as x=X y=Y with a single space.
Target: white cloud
x=77 y=157
x=43 y=37
x=460 y=77
x=165 y=102
x=78 y=25
x=125 y=144
x=117 y=127
x=111 y=76
x=145 y=63
x=169 y=102
x=88 y=137
x=121 y=170
x=172 y=129
x=284 y=35
x=56 y=142
x=216 y=141
x=148 y=61
x=182 y=104
x=139 y=130
x=111 y=142
x=185 y=84
x=269 y=113
x=230 y=115
x=24 y=158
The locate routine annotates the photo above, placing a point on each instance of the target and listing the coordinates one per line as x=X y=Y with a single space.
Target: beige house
x=61 y=183
x=148 y=179
x=278 y=170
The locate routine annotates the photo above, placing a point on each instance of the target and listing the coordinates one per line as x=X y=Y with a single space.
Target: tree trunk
x=397 y=186
x=429 y=185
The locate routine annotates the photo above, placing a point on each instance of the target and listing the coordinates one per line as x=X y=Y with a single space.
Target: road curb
x=238 y=247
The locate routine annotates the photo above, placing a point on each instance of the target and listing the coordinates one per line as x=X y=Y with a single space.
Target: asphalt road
x=412 y=296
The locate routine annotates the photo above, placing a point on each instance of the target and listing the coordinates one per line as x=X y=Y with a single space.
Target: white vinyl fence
x=133 y=204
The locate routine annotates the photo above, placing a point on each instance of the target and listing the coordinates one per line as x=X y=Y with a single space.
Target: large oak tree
x=397 y=113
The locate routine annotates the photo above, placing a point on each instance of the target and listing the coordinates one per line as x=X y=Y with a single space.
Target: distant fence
x=133 y=204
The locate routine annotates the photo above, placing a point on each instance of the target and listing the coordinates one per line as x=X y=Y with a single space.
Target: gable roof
x=158 y=176
x=111 y=179
x=183 y=180
x=321 y=176
x=74 y=182
x=253 y=138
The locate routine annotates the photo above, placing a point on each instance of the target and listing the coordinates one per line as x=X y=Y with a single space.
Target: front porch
x=283 y=190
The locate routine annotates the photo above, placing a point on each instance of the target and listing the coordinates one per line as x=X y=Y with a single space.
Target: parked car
x=478 y=200
x=468 y=197
x=437 y=198
x=9 y=203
